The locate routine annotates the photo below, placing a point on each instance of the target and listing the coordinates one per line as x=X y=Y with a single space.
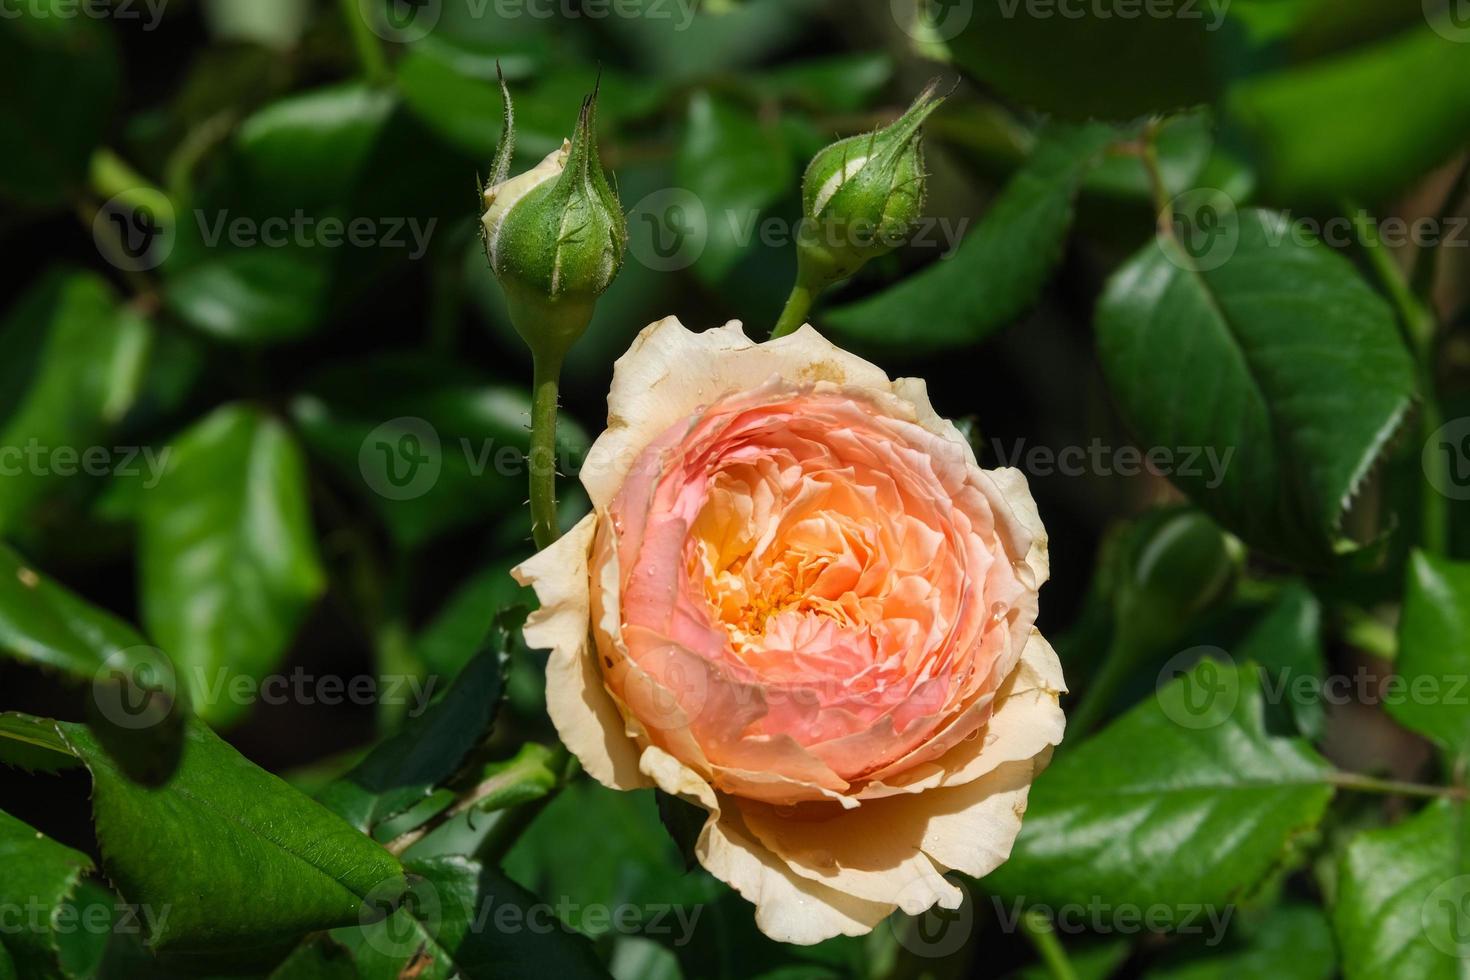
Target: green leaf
x=556 y=856
x=735 y=165
x=85 y=925
x=1174 y=566
x=40 y=875
x=228 y=561
x=431 y=747
x=1183 y=801
x=430 y=443
x=253 y=295
x=319 y=958
x=275 y=24
x=1087 y=61
x=460 y=627
x=454 y=89
x=1270 y=353
x=998 y=269
x=307 y=148
x=1400 y=912
x=462 y=919
x=84 y=379
x=43 y=623
x=1363 y=123
x=252 y=263
x=841 y=83
x=1287 y=643
x=59 y=74
x=1294 y=942
x=687 y=43
x=32 y=743
x=1433 y=663
x=221 y=828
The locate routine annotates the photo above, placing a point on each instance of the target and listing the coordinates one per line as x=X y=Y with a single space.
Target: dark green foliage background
x=1081 y=156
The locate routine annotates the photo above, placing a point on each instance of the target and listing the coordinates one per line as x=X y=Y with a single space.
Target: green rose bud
x=863 y=195
x=555 y=235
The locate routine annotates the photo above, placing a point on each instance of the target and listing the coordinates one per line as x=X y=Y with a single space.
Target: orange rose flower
x=800 y=604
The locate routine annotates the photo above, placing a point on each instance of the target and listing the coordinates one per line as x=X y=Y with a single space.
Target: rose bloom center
x=814 y=587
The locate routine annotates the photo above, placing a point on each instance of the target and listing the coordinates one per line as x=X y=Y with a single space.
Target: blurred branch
x=1416 y=319
x=192 y=149
x=112 y=176
x=1104 y=687
x=1420 y=329
x=509 y=799
x=1391 y=787
x=1426 y=257
x=369 y=49
x=1038 y=929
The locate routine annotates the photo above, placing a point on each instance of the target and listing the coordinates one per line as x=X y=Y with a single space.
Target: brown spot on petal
x=824 y=371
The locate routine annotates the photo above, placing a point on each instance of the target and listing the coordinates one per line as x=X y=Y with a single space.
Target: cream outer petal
x=788 y=908
x=669 y=372
x=585 y=715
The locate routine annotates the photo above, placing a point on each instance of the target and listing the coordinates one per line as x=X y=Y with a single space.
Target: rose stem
x=369 y=52
x=1420 y=327
x=798 y=304
x=545 y=375
x=1392 y=787
x=1105 y=683
x=1038 y=929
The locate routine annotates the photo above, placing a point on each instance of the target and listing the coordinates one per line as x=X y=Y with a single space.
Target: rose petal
x=580 y=707
x=788 y=908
